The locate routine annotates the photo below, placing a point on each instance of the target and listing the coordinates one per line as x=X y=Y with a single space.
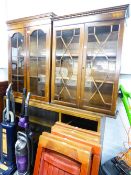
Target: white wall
x=3 y=43
x=14 y=9
x=3 y=36
x=114 y=133
x=126 y=50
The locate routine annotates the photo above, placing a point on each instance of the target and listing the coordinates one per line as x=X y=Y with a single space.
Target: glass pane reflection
x=38 y=62
x=67 y=54
x=100 y=65
x=17 y=55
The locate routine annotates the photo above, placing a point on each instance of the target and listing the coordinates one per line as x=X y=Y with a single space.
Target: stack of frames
x=68 y=150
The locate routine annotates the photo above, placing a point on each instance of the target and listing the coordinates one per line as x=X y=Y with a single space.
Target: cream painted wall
x=114 y=135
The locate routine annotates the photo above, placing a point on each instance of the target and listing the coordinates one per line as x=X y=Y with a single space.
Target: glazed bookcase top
x=77 y=57
x=96 y=12
x=45 y=15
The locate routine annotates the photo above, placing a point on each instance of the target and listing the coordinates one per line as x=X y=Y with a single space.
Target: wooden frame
x=104 y=14
x=81 y=27
x=35 y=22
x=113 y=15
x=30 y=21
x=78 y=154
x=75 y=137
x=47 y=30
x=70 y=142
x=84 y=139
x=111 y=111
x=11 y=33
x=72 y=128
x=76 y=133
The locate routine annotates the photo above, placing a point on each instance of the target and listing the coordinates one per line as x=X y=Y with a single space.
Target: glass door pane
x=66 y=70
x=100 y=66
x=17 y=56
x=37 y=62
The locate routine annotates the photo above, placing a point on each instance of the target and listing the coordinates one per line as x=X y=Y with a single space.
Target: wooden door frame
x=115 y=86
x=81 y=27
x=29 y=30
x=10 y=35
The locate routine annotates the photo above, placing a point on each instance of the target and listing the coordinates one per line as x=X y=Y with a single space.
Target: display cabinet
x=29 y=55
x=71 y=60
x=86 y=59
